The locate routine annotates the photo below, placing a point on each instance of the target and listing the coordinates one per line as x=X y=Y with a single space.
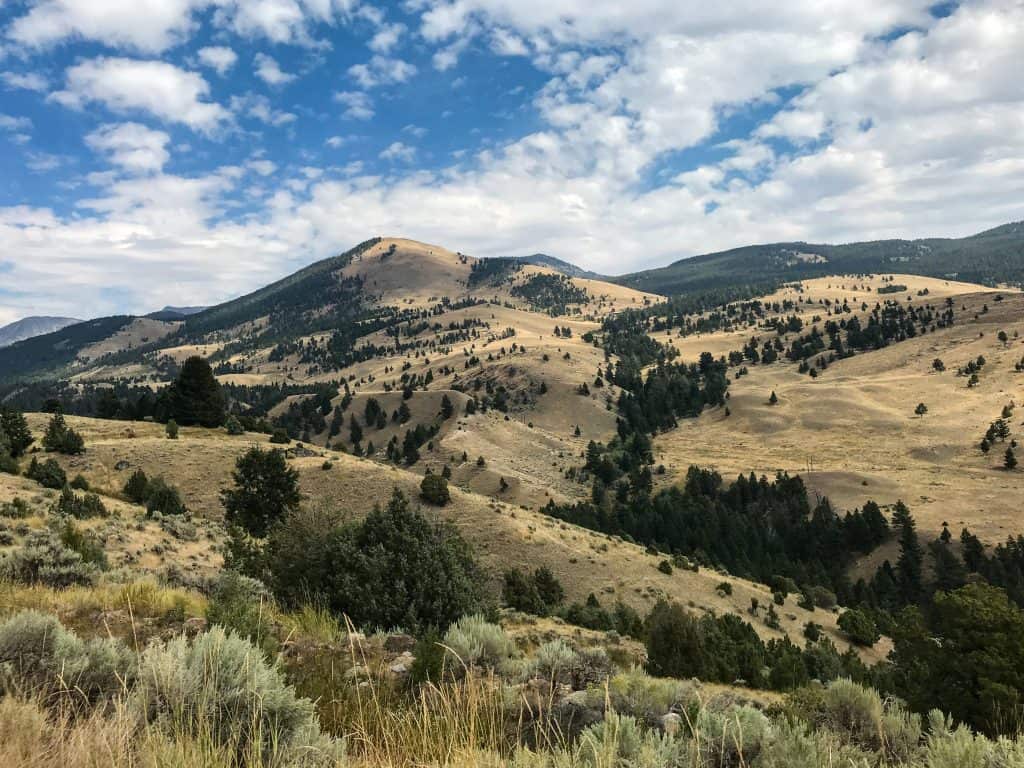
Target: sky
x=185 y=152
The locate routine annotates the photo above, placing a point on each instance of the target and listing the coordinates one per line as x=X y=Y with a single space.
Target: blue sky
x=186 y=151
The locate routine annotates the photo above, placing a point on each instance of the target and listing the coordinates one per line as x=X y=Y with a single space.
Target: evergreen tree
x=16 y=429
x=949 y=570
x=266 y=491
x=1009 y=459
x=195 y=397
x=909 y=563
x=447 y=409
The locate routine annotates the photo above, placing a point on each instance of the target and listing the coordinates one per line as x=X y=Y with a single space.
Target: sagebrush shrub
x=477 y=642
x=221 y=686
x=44 y=559
x=39 y=656
x=731 y=738
x=242 y=605
x=640 y=695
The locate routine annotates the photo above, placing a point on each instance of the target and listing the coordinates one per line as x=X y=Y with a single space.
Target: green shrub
x=60 y=438
x=265 y=491
x=665 y=567
x=428 y=659
x=242 y=605
x=220 y=686
x=43 y=559
x=48 y=473
x=476 y=642
x=640 y=695
x=137 y=487
x=280 y=436
x=16 y=508
x=163 y=498
x=554 y=660
x=234 y=426
x=71 y=504
x=79 y=483
x=732 y=738
x=39 y=656
x=859 y=627
x=619 y=740
x=171 y=429
x=434 y=490
x=85 y=544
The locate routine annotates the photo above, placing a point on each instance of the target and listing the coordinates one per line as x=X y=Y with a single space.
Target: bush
x=234 y=426
x=164 y=499
x=554 y=661
x=859 y=627
x=475 y=642
x=642 y=696
x=85 y=544
x=60 y=438
x=242 y=605
x=280 y=436
x=434 y=490
x=44 y=559
x=396 y=568
x=219 y=686
x=665 y=567
x=171 y=429
x=732 y=738
x=137 y=487
x=17 y=436
x=39 y=656
x=48 y=473
x=79 y=483
x=71 y=504
x=265 y=491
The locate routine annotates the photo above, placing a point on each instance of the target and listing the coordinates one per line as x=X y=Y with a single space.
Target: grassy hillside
x=990 y=257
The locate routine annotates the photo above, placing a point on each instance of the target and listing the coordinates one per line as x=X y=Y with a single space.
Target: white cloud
x=259 y=108
x=358 y=105
x=397 y=151
x=381 y=70
x=151 y=26
x=43 y=162
x=505 y=43
x=262 y=167
x=129 y=85
x=386 y=38
x=14 y=123
x=132 y=146
x=218 y=58
x=269 y=72
x=335 y=141
x=281 y=21
x=28 y=81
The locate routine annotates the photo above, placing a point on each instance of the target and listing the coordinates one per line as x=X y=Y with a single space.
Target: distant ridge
x=174 y=313
x=30 y=327
x=566 y=268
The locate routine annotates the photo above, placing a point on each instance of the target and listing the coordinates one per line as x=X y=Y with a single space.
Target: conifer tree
x=195 y=397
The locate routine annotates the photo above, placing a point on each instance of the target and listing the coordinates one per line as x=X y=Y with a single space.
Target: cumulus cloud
x=381 y=70
x=357 y=104
x=260 y=108
x=28 y=81
x=218 y=58
x=386 y=38
x=155 y=87
x=132 y=146
x=269 y=72
x=397 y=151
x=151 y=26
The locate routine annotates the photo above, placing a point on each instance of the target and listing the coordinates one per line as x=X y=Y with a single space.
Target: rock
x=357 y=671
x=399 y=643
x=122 y=465
x=195 y=626
x=398 y=668
x=671 y=723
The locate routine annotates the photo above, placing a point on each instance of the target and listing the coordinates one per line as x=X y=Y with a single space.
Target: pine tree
x=14 y=426
x=909 y=564
x=774 y=399
x=266 y=490
x=195 y=397
x=1009 y=459
x=447 y=409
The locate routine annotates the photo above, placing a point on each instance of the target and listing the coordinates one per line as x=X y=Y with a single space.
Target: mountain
x=28 y=327
x=174 y=313
x=990 y=257
x=559 y=265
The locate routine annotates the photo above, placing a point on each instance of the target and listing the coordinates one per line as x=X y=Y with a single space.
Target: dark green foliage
x=539 y=593
x=592 y=615
x=195 y=397
x=44 y=559
x=15 y=429
x=137 y=486
x=447 y=409
x=859 y=627
x=550 y=293
x=396 y=568
x=909 y=566
x=234 y=426
x=280 y=437
x=428 y=659
x=60 y=438
x=964 y=656
x=85 y=544
x=83 y=507
x=35 y=357
x=79 y=483
x=492 y=271
x=434 y=490
x=163 y=498
x=265 y=491
x=48 y=473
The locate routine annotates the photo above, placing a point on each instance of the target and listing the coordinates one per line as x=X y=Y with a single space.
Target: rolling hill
x=28 y=327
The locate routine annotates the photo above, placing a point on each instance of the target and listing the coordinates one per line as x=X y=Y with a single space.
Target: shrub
x=242 y=605
x=163 y=498
x=220 y=686
x=859 y=627
x=39 y=656
x=640 y=695
x=476 y=642
x=265 y=490
x=171 y=429
x=137 y=487
x=234 y=426
x=60 y=438
x=48 y=473
x=618 y=740
x=71 y=504
x=396 y=568
x=554 y=661
x=724 y=588
x=15 y=429
x=85 y=544
x=280 y=436
x=79 y=483
x=434 y=490
x=732 y=738
x=45 y=560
